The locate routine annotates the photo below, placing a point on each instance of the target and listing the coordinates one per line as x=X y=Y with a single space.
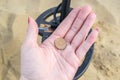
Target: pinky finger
x=85 y=46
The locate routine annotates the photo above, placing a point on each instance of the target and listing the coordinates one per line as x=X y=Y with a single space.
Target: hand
x=44 y=61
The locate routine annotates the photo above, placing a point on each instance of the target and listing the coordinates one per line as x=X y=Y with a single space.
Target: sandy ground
x=105 y=64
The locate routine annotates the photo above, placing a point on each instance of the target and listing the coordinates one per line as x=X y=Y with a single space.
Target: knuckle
x=85 y=47
x=80 y=37
x=80 y=18
x=74 y=29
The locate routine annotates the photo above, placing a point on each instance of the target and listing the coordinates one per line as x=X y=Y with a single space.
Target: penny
x=60 y=43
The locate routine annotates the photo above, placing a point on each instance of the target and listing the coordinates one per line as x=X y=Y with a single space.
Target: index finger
x=66 y=24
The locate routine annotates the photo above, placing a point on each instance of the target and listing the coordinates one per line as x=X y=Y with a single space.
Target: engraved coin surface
x=60 y=43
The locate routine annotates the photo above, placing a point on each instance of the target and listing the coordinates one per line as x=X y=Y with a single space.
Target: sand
x=105 y=64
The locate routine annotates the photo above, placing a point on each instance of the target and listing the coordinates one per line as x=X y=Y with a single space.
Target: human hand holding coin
x=59 y=56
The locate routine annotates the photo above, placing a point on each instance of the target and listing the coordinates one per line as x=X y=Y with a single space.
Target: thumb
x=32 y=31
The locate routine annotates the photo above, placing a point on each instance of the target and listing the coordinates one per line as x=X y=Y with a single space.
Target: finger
x=78 y=23
x=81 y=35
x=85 y=46
x=32 y=31
x=66 y=24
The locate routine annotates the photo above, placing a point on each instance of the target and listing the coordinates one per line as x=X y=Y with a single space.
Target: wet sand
x=105 y=64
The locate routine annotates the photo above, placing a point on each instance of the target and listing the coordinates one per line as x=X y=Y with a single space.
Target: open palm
x=45 y=61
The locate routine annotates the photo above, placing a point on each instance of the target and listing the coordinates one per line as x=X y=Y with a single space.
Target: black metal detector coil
x=46 y=29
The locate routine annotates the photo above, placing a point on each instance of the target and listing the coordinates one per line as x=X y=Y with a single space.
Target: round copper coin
x=60 y=43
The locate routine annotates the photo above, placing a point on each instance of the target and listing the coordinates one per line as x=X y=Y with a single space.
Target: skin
x=44 y=61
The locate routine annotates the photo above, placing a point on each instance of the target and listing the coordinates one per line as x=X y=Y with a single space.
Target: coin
x=60 y=43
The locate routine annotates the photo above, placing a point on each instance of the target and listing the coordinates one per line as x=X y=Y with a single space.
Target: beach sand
x=105 y=64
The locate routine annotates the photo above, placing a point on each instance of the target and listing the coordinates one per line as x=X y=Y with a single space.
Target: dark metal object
x=49 y=27
x=65 y=9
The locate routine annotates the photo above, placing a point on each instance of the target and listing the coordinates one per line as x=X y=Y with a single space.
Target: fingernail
x=28 y=19
x=93 y=14
x=98 y=29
